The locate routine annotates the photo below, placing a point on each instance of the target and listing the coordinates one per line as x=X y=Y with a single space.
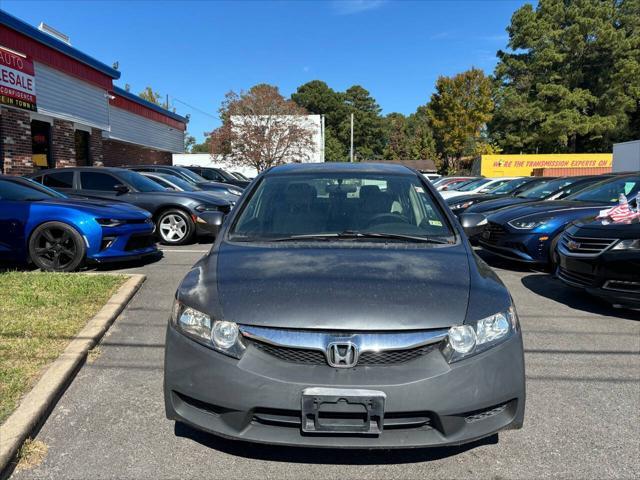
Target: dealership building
x=59 y=107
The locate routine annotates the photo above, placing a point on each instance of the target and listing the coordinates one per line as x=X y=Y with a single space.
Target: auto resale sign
x=17 y=80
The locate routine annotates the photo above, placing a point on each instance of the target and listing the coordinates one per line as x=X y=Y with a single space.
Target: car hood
x=346 y=287
x=200 y=197
x=597 y=229
x=472 y=196
x=99 y=208
x=496 y=204
x=545 y=208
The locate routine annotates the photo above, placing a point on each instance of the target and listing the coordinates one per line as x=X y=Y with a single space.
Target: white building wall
x=129 y=127
x=626 y=156
x=309 y=122
x=62 y=96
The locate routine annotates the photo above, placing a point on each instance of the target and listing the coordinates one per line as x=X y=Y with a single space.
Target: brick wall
x=119 y=153
x=16 y=141
x=96 y=147
x=63 y=145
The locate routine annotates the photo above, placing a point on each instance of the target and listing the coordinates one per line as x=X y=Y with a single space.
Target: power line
x=202 y=112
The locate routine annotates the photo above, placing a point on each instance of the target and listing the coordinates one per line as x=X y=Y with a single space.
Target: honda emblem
x=342 y=354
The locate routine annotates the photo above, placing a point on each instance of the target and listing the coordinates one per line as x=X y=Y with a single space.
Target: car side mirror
x=120 y=189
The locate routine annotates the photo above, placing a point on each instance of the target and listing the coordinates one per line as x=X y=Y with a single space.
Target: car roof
x=78 y=169
x=339 y=167
x=153 y=166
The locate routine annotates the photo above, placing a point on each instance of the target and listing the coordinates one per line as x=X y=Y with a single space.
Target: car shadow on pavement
x=494 y=261
x=332 y=456
x=553 y=289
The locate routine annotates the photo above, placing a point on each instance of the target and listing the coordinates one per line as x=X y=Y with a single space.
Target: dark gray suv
x=342 y=306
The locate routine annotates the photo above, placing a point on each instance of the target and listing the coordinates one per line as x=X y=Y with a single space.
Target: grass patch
x=31 y=454
x=40 y=313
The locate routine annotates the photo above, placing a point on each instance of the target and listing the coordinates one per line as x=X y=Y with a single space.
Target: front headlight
x=627 y=245
x=220 y=335
x=206 y=208
x=528 y=223
x=472 y=338
x=110 y=222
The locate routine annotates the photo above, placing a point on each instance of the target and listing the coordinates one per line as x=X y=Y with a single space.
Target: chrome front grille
x=311 y=347
x=316 y=357
x=584 y=246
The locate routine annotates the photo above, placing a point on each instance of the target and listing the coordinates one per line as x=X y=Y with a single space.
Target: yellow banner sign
x=523 y=165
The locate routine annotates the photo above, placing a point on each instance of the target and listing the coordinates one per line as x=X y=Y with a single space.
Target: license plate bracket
x=342 y=411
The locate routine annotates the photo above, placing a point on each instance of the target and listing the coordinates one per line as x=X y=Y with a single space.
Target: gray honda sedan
x=342 y=306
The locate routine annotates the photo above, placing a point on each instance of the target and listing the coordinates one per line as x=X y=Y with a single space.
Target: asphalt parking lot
x=582 y=418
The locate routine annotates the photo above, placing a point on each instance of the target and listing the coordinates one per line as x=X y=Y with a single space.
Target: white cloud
x=350 y=7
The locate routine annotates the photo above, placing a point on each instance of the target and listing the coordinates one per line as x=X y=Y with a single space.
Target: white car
x=482 y=185
x=431 y=176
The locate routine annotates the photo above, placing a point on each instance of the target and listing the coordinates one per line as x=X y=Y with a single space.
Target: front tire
x=554 y=260
x=57 y=247
x=175 y=227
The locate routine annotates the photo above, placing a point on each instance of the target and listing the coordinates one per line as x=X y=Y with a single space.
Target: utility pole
x=323 y=137
x=351 y=150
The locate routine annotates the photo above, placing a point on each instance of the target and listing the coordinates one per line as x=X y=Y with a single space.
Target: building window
x=82 y=148
x=41 y=144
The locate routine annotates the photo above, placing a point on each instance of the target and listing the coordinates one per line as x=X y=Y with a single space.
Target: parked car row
x=59 y=219
x=551 y=223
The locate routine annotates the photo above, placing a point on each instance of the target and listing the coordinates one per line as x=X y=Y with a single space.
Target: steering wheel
x=386 y=218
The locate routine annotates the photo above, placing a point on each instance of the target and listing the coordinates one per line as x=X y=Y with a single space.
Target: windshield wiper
x=351 y=234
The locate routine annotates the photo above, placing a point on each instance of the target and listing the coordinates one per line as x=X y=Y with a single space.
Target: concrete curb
x=36 y=404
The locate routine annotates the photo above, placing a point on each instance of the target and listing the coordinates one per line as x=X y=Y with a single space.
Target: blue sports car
x=58 y=233
x=529 y=233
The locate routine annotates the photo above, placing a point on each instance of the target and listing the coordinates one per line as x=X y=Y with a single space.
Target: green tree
x=422 y=145
x=189 y=143
x=398 y=143
x=204 y=147
x=368 y=130
x=150 y=95
x=334 y=150
x=458 y=112
x=571 y=79
x=318 y=98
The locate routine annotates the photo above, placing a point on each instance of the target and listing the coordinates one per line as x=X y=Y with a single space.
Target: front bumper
x=206 y=224
x=522 y=247
x=428 y=401
x=606 y=276
x=128 y=242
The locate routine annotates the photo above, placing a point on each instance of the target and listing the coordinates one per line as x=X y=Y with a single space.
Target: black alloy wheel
x=56 y=247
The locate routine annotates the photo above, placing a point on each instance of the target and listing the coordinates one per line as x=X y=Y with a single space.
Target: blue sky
x=196 y=51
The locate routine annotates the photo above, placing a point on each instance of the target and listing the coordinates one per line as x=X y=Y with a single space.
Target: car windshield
x=194 y=177
x=609 y=192
x=140 y=182
x=544 y=189
x=473 y=185
x=510 y=186
x=180 y=183
x=335 y=204
x=18 y=191
x=459 y=183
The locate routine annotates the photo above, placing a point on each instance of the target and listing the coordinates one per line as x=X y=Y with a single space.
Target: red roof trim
x=48 y=56
x=133 y=107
